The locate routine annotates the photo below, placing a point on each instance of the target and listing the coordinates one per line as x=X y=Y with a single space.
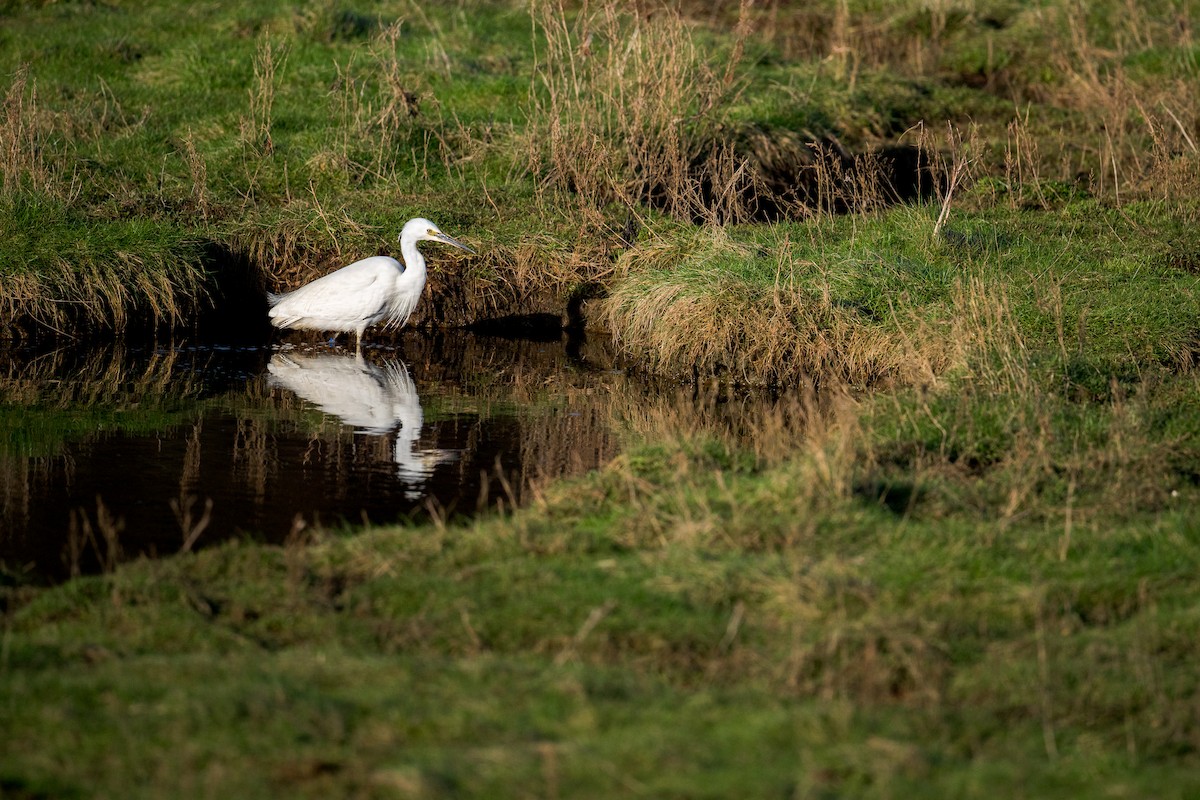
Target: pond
x=113 y=453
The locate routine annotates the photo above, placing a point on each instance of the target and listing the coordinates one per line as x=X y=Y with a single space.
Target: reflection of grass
x=105 y=392
x=33 y=432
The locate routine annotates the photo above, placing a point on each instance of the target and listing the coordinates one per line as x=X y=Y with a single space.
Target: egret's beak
x=450 y=240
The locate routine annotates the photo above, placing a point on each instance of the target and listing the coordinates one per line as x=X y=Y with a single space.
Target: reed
x=623 y=109
x=26 y=131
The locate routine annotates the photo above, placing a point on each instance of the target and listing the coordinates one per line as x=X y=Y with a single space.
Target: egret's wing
x=341 y=299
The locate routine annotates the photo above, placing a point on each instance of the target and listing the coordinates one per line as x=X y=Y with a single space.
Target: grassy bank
x=886 y=300
x=975 y=578
x=979 y=585
x=168 y=149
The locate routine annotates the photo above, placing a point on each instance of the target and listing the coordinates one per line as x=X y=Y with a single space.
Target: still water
x=111 y=453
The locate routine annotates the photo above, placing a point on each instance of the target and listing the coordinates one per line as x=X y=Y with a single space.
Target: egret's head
x=422 y=230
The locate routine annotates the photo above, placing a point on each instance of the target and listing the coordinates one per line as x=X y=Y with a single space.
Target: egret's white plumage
x=373 y=290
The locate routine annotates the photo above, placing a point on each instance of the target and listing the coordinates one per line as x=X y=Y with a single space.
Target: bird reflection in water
x=376 y=399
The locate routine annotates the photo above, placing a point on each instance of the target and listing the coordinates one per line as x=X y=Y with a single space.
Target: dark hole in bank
x=793 y=176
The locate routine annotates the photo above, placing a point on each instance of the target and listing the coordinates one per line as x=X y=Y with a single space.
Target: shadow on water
x=112 y=453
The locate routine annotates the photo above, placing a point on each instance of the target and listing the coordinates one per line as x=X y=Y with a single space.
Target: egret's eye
x=433 y=232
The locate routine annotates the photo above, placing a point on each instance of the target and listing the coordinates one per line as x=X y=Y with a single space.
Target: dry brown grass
x=257 y=123
x=951 y=158
x=198 y=171
x=770 y=428
x=1137 y=124
x=628 y=113
x=129 y=289
x=1101 y=118
x=725 y=470
x=847 y=639
x=28 y=133
x=255 y=134
x=624 y=106
x=378 y=103
x=21 y=136
x=303 y=242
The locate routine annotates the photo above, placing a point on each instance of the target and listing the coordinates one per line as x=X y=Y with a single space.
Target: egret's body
x=374 y=290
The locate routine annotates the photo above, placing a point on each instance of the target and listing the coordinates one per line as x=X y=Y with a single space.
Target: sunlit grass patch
x=752 y=313
x=66 y=273
x=882 y=300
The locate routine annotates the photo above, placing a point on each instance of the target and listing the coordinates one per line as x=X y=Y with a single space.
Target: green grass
x=283 y=131
x=881 y=299
x=617 y=639
x=968 y=573
x=61 y=269
x=271 y=129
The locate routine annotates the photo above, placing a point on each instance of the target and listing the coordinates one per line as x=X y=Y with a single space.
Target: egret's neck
x=414 y=262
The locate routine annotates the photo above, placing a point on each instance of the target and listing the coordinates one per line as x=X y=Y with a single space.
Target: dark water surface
x=111 y=453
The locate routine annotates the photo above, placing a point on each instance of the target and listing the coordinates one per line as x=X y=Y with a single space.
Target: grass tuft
x=624 y=108
x=707 y=304
x=115 y=276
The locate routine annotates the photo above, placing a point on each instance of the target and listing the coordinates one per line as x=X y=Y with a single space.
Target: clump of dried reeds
x=624 y=106
x=26 y=135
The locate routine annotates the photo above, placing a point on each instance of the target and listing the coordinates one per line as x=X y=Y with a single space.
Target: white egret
x=355 y=297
